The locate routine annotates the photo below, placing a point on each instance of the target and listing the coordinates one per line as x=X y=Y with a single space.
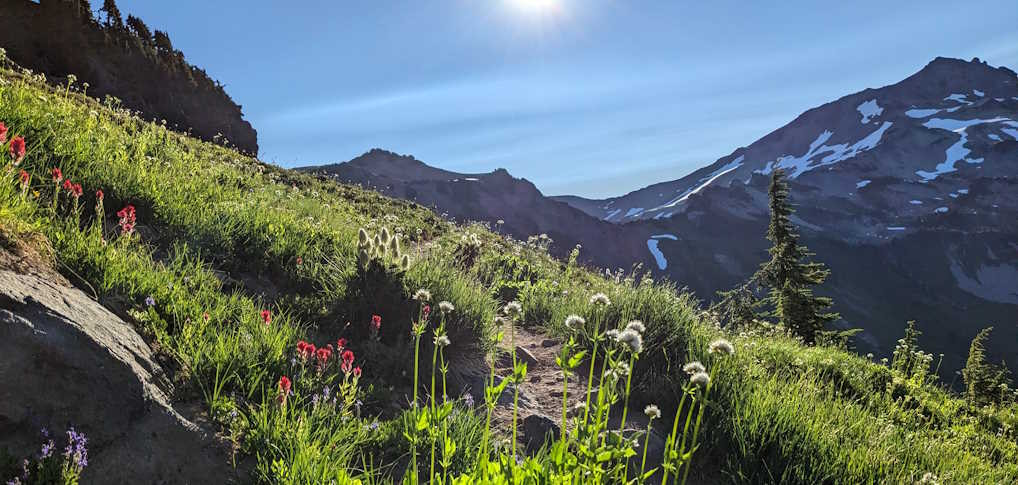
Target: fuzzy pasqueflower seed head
x=575 y=322
x=613 y=334
x=721 y=346
x=446 y=307
x=700 y=379
x=422 y=295
x=600 y=299
x=362 y=237
x=652 y=411
x=512 y=309
x=637 y=326
x=693 y=368
x=632 y=339
x=442 y=341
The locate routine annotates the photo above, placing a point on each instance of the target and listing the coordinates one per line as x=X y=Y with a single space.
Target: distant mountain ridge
x=908 y=192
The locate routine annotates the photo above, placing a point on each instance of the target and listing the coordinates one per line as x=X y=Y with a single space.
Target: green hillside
x=234 y=262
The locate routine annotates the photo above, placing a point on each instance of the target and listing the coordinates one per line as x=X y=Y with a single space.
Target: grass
x=222 y=237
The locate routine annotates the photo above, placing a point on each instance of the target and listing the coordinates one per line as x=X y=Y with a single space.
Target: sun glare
x=535 y=6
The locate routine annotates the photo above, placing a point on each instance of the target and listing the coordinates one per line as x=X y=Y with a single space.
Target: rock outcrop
x=68 y=361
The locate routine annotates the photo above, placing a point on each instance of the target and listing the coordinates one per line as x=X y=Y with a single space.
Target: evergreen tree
x=982 y=379
x=789 y=274
x=162 y=41
x=139 y=28
x=113 y=17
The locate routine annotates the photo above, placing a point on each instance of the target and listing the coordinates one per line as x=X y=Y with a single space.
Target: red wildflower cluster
x=427 y=311
x=99 y=195
x=3 y=132
x=17 y=149
x=375 y=326
x=73 y=188
x=57 y=175
x=347 y=361
x=128 y=219
x=323 y=355
x=305 y=350
x=25 y=177
x=266 y=316
x=340 y=344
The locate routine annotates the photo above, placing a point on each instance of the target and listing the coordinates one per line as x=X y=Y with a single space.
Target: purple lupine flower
x=325 y=393
x=150 y=301
x=47 y=450
x=76 y=449
x=469 y=400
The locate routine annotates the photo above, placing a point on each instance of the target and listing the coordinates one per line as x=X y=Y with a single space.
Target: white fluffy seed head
x=700 y=379
x=442 y=341
x=422 y=295
x=445 y=306
x=652 y=411
x=693 y=368
x=575 y=321
x=512 y=309
x=600 y=299
x=721 y=346
x=637 y=326
x=632 y=339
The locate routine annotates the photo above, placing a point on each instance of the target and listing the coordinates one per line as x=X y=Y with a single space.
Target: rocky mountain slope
x=908 y=192
x=488 y=197
x=60 y=37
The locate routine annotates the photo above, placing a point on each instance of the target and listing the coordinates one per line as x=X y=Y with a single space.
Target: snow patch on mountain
x=869 y=110
x=940 y=210
x=978 y=93
x=862 y=183
x=659 y=257
x=837 y=153
x=957 y=151
x=921 y=112
x=961 y=98
x=704 y=182
x=915 y=202
x=896 y=228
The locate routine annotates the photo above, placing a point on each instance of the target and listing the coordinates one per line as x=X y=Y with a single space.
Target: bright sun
x=535 y=5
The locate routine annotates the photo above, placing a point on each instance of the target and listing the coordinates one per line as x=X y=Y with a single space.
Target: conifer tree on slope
x=789 y=274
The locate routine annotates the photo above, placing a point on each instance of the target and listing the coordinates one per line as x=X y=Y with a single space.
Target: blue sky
x=587 y=97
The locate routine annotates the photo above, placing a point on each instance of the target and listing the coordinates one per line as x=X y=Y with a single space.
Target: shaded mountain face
x=489 y=197
x=909 y=193
x=60 y=37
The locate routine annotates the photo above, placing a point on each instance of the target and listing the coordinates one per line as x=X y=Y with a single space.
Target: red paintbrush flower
x=356 y=371
x=99 y=195
x=376 y=322
x=266 y=316
x=76 y=190
x=17 y=149
x=127 y=219
x=347 y=361
x=284 y=385
x=341 y=344
x=68 y=186
x=323 y=355
x=57 y=175
x=25 y=177
x=3 y=132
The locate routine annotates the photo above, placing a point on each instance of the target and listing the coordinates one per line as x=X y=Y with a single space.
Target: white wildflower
x=632 y=339
x=700 y=379
x=721 y=345
x=445 y=306
x=513 y=309
x=600 y=299
x=693 y=368
x=422 y=295
x=575 y=321
x=652 y=411
x=442 y=341
x=637 y=326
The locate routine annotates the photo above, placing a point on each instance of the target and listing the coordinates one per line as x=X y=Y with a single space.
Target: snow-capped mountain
x=909 y=193
x=910 y=146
